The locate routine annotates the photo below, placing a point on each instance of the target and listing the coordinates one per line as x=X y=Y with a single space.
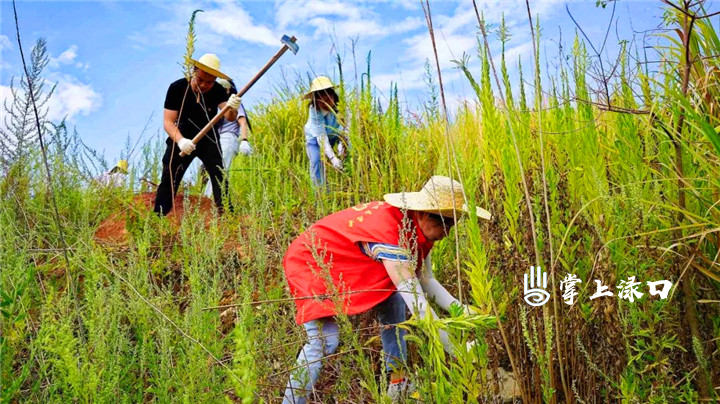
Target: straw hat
x=319 y=83
x=122 y=165
x=436 y=196
x=226 y=84
x=210 y=63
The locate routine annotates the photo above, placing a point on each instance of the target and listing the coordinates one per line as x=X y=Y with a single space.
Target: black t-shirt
x=194 y=116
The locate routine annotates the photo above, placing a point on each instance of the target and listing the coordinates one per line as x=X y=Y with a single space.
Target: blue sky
x=113 y=60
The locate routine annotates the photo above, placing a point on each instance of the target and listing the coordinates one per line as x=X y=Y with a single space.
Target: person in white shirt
x=116 y=177
x=323 y=130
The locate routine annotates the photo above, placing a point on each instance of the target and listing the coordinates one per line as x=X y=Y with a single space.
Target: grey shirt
x=232 y=127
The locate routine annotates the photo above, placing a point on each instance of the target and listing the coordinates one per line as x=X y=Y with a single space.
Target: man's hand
x=336 y=163
x=245 y=147
x=233 y=102
x=186 y=145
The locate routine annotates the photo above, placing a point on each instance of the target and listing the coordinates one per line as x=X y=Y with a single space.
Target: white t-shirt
x=108 y=179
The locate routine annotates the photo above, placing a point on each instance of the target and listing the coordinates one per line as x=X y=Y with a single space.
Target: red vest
x=328 y=253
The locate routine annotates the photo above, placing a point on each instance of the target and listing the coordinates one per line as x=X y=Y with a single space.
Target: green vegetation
x=625 y=182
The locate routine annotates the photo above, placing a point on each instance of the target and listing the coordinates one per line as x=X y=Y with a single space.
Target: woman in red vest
x=355 y=260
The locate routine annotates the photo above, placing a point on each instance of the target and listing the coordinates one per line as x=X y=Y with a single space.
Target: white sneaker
x=399 y=390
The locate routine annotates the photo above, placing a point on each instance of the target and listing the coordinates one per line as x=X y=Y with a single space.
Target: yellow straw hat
x=210 y=63
x=319 y=83
x=122 y=165
x=436 y=196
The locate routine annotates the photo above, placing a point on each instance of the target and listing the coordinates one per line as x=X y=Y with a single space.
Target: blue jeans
x=324 y=338
x=315 y=154
x=229 y=146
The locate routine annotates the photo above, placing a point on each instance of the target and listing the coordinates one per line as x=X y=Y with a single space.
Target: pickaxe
x=288 y=43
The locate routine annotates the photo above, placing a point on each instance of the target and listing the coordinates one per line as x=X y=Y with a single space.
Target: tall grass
x=612 y=197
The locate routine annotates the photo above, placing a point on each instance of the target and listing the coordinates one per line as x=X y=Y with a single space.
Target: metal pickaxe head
x=290 y=43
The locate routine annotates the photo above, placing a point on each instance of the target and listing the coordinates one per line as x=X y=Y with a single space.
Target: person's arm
x=230 y=114
x=435 y=290
x=402 y=275
x=245 y=147
x=173 y=103
x=327 y=148
x=234 y=102
x=329 y=123
x=343 y=146
x=323 y=140
x=242 y=121
x=169 y=119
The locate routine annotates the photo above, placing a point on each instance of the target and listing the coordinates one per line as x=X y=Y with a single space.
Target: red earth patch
x=113 y=230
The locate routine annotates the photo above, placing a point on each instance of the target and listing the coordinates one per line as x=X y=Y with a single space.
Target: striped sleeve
x=381 y=251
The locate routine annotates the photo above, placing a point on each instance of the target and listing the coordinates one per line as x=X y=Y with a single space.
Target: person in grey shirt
x=233 y=134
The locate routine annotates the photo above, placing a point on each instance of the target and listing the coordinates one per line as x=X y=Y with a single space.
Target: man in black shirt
x=189 y=106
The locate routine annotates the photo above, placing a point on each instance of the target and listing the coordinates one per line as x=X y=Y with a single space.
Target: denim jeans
x=324 y=338
x=229 y=146
x=315 y=154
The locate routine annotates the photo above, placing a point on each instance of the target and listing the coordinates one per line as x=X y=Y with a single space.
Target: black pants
x=174 y=166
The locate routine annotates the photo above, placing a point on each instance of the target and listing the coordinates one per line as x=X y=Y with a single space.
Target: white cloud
x=407 y=25
x=292 y=13
x=451 y=40
x=407 y=4
x=407 y=79
x=66 y=57
x=449 y=46
x=5 y=96
x=139 y=40
x=346 y=18
x=511 y=55
x=5 y=43
x=233 y=21
x=71 y=98
x=361 y=27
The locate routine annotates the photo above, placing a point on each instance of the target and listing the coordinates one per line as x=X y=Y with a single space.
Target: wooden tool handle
x=207 y=127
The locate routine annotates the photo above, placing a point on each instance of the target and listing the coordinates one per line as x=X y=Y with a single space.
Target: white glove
x=341 y=149
x=233 y=102
x=245 y=148
x=412 y=293
x=186 y=145
x=336 y=163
